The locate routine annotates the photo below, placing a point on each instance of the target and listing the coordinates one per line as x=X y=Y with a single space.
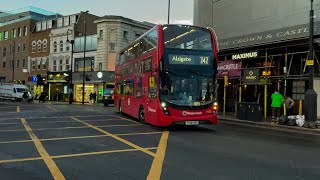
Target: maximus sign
x=245 y=55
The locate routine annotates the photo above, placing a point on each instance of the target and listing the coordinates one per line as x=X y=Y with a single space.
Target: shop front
x=58 y=87
x=94 y=83
x=36 y=88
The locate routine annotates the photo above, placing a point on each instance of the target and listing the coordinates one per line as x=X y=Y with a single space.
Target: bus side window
x=14 y=90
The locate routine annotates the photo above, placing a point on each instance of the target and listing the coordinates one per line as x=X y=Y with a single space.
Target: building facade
x=67 y=28
x=114 y=33
x=15 y=33
x=263 y=37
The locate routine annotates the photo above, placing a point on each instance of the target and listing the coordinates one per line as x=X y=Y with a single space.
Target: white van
x=12 y=91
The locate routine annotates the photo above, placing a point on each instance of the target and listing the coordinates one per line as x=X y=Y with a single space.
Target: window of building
x=125 y=34
x=23 y=63
x=19 y=32
x=33 y=65
x=34 y=46
x=39 y=43
x=66 y=21
x=39 y=63
x=60 y=22
x=4 y=53
x=18 y=48
x=44 y=25
x=3 y=64
x=67 y=64
x=23 y=47
x=100 y=66
x=38 y=26
x=54 y=65
x=45 y=44
x=61 y=46
x=67 y=46
x=14 y=34
x=49 y=24
x=11 y=48
x=25 y=30
x=60 y=65
x=112 y=46
x=55 y=48
x=44 y=63
x=18 y=64
x=101 y=34
x=6 y=35
x=73 y=19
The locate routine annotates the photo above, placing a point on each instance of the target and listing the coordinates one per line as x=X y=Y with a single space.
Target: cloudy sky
x=154 y=11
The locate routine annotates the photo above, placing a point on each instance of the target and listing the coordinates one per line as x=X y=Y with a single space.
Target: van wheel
x=142 y=115
x=120 y=108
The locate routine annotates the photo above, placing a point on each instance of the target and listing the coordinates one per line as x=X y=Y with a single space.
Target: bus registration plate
x=190 y=123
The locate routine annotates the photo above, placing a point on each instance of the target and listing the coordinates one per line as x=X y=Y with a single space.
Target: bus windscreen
x=187 y=37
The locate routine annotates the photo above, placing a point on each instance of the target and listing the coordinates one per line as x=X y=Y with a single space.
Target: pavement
x=62 y=141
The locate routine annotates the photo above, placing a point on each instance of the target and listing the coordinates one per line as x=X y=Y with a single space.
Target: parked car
x=10 y=91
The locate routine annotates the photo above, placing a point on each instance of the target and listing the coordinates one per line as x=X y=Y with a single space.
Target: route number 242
x=204 y=60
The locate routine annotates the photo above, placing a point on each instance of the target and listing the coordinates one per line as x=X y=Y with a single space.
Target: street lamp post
x=310 y=102
x=71 y=68
x=168 y=11
x=84 y=56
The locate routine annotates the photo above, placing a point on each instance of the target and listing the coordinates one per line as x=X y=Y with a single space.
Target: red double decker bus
x=168 y=76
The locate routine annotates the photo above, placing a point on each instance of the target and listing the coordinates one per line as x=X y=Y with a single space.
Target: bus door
x=152 y=103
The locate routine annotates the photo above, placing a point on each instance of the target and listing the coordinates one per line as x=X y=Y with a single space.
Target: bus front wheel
x=142 y=115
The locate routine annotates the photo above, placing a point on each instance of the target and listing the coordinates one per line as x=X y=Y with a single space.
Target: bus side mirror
x=151 y=82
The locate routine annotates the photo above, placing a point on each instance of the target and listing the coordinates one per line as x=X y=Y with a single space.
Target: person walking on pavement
x=276 y=102
x=289 y=105
x=91 y=97
x=94 y=97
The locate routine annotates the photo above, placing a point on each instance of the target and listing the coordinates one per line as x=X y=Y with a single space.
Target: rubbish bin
x=242 y=111
x=254 y=111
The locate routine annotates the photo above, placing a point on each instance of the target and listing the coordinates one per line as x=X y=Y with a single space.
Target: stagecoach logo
x=186 y=113
x=151 y=110
x=181 y=59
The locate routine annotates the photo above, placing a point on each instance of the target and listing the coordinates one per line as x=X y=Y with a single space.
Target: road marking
x=55 y=171
x=73 y=155
x=100 y=152
x=75 y=127
x=51 y=108
x=127 y=119
x=116 y=137
x=18 y=108
x=79 y=137
x=8 y=123
x=156 y=167
x=20 y=160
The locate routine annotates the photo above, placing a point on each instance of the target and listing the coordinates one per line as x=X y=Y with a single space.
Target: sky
x=154 y=11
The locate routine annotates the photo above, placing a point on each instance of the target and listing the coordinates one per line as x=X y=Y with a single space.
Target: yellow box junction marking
x=116 y=137
x=156 y=167
x=55 y=171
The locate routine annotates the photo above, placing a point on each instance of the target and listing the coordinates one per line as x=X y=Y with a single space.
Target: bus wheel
x=142 y=115
x=120 y=108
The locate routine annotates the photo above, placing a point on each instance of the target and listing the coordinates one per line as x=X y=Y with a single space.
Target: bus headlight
x=215 y=107
x=165 y=109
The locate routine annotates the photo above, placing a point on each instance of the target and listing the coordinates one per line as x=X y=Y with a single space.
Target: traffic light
x=39 y=80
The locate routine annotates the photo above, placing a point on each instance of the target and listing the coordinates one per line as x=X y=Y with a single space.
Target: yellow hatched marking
x=53 y=168
x=116 y=137
x=78 y=137
x=100 y=152
x=156 y=167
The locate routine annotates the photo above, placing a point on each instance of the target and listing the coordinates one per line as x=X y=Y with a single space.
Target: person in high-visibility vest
x=276 y=102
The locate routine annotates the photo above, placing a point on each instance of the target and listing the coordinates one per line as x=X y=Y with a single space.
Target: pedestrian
x=91 y=96
x=94 y=97
x=276 y=102
x=289 y=105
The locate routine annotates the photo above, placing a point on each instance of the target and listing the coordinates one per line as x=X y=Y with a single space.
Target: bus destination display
x=189 y=60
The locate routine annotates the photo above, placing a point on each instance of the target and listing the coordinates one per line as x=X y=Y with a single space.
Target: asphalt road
x=61 y=141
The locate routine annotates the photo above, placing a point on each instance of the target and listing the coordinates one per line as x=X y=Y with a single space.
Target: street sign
x=251 y=76
x=310 y=62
